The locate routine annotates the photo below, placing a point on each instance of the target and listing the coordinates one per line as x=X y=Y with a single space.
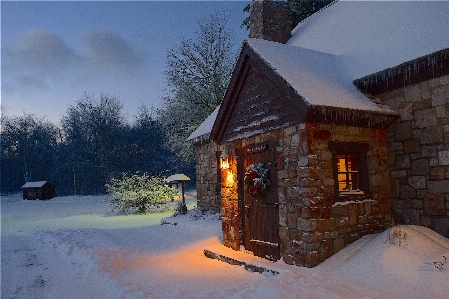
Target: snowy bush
x=397 y=236
x=143 y=193
x=440 y=265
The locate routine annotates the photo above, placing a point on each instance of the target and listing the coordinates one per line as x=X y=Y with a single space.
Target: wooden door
x=261 y=216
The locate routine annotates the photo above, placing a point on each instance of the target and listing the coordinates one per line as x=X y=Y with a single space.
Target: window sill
x=353 y=195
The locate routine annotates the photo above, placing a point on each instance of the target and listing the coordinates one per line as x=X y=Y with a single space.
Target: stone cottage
x=330 y=131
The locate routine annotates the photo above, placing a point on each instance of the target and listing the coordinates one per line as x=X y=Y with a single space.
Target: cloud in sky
x=53 y=52
x=109 y=51
x=40 y=55
x=43 y=51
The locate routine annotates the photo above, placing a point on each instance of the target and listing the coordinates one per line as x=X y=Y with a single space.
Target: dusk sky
x=54 y=52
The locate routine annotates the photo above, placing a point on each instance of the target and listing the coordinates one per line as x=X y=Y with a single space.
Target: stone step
x=248 y=266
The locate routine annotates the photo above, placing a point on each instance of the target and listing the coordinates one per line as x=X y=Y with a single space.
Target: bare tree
x=28 y=145
x=92 y=130
x=198 y=73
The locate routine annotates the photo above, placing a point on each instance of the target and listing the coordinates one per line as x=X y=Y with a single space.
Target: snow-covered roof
x=349 y=40
x=371 y=36
x=179 y=177
x=37 y=184
x=319 y=78
x=205 y=127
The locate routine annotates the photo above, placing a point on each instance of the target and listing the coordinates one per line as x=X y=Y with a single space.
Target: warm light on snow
x=71 y=247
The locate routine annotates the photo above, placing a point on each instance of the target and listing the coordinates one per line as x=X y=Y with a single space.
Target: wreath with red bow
x=257 y=182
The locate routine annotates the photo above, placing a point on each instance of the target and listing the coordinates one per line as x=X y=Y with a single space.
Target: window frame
x=360 y=151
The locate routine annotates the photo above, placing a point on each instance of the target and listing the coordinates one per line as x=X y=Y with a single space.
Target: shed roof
x=37 y=184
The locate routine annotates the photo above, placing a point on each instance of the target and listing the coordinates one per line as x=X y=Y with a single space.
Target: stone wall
x=418 y=145
x=207 y=177
x=312 y=226
x=232 y=205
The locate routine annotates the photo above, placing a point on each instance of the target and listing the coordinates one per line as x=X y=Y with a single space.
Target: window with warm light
x=347 y=172
x=351 y=175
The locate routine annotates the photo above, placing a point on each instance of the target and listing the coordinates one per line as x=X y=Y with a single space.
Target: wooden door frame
x=241 y=193
x=243 y=209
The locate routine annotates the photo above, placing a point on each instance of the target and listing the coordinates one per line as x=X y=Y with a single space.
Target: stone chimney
x=270 y=20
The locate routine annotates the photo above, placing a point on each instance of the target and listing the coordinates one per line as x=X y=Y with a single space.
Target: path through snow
x=71 y=247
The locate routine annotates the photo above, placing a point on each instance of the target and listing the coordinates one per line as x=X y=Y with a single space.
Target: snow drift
x=71 y=247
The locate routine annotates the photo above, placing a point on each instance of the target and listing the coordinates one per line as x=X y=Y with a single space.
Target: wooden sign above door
x=256 y=149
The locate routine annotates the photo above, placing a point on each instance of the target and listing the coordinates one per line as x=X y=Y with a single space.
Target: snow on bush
x=397 y=236
x=142 y=193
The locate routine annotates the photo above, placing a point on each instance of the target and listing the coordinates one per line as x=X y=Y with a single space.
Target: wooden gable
x=257 y=100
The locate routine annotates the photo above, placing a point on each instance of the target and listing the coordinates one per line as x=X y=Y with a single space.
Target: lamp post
x=176 y=179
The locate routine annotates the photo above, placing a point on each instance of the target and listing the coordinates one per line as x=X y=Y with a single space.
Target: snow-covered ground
x=72 y=247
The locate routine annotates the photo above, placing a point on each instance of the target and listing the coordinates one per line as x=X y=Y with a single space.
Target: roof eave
x=352 y=117
x=415 y=71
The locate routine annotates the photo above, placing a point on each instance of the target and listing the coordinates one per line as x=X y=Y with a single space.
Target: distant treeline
x=92 y=143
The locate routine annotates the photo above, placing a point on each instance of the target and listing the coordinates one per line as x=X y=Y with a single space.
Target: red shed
x=39 y=190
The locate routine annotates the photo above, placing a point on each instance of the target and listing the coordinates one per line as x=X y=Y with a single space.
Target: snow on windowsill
x=352 y=201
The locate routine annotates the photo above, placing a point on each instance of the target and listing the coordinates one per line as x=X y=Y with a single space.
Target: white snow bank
x=397 y=264
x=72 y=247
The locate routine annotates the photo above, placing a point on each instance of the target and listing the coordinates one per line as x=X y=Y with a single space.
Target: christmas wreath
x=256 y=180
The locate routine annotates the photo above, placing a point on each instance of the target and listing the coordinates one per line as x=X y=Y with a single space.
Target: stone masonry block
x=282 y=215
x=441 y=186
x=417 y=182
x=441 y=225
x=368 y=209
x=413 y=93
x=425 y=118
x=313 y=237
x=444 y=80
x=432 y=135
x=429 y=151
x=306 y=224
x=339 y=244
x=294 y=141
x=420 y=167
x=331 y=235
x=437 y=173
x=443 y=157
x=402 y=162
x=440 y=96
x=326 y=249
x=434 y=205
x=403 y=130
x=398 y=174
x=412 y=146
x=326 y=224
x=441 y=111
x=342 y=222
